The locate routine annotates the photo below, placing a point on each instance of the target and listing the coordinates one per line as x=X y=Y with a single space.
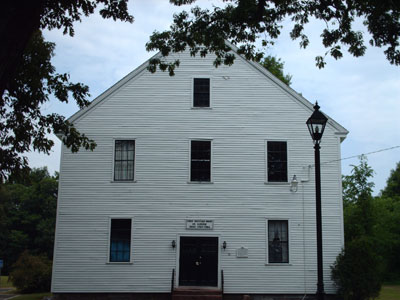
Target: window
x=200 y=161
x=124 y=160
x=120 y=240
x=201 y=92
x=278 y=242
x=277 y=162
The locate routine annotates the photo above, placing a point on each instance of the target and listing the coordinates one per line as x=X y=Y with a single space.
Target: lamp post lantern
x=316 y=125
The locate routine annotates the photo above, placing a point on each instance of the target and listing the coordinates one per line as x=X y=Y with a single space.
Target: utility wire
x=368 y=153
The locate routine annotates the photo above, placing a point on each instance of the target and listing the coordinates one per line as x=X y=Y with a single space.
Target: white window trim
x=113 y=161
x=190 y=161
x=266 y=162
x=109 y=242
x=192 y=92
x=267 y=263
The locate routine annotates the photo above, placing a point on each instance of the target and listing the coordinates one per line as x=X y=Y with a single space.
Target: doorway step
x=195 y=293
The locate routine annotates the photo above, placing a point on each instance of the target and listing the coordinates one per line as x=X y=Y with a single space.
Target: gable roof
x=340 y=130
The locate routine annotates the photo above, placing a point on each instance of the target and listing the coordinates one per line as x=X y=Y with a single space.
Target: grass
x=4 y=282
x=37 y=296
x=390 y=292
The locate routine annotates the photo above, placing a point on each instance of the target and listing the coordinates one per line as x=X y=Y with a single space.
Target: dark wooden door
x=198 y=261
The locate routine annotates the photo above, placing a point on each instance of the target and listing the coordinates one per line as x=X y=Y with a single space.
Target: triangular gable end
x=79 y=114
x=340 y=130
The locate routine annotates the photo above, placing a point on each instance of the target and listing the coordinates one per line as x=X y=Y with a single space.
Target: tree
x=28 y=215
x=359 y=215
x=28 y=79
x=242 y=22
x=387 y=207
x=358 y=269
x=31 y=273
x=275 y=66
x=392 y=188
x=387 y=235
x=20 y=19
x=358 y=182
x=22 y=124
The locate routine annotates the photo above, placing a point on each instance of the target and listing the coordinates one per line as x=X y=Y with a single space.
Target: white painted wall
x=155 y=109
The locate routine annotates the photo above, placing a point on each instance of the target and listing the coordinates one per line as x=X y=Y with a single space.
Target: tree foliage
x=28 y=79
x=27 y=215
x=387 y=207
x=358 y=270
x=358 y=182
x=372 y=234
x=21 y=19
x=242 y=22
x=275 y=66
x=387 y=235
x=392 y=188
x=23 y=126
x=31 y=273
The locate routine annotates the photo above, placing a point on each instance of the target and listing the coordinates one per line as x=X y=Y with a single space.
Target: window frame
x=288 y=263
x=109 y=241
x=190 y=160
x=287 y=162
x=192 y=92
x=113 y=160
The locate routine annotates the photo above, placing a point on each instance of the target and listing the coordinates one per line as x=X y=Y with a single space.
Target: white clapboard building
x=191 y=185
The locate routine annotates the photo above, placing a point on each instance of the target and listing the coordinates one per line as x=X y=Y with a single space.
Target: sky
x=362 y=94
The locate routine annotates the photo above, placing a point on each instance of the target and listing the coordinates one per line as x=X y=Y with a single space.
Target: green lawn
x=31 y=296
x=4 y=282
x=37 y=296
x=390 y=292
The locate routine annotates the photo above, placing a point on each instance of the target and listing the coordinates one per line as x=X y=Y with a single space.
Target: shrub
x=357 y=271
x=31 y=273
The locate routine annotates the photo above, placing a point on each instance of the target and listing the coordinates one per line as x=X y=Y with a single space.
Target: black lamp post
x=316 y=125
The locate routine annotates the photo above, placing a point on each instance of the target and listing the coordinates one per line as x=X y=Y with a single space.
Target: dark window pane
x=277 y=161
x=201 y=92
x=120 y=243
x=278 y=242
x=200 y=161
x=124 y=160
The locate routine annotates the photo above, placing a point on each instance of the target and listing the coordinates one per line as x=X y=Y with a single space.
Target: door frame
x=178 y=250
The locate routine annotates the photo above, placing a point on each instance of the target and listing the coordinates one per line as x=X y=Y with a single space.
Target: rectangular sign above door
x=199 y=224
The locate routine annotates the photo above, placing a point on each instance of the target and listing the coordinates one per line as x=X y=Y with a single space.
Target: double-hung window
x=124 y=160
x=201 y=92
x=278 y=241
x=200 y=161
x=120 y=240
x=277 y=165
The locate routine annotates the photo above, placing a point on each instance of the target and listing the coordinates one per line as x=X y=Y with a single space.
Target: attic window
x=201 y=92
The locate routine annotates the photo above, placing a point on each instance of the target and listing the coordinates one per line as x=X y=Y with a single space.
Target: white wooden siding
x=155 y=110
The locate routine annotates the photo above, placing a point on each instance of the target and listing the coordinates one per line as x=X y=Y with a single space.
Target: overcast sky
x=362 y=94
